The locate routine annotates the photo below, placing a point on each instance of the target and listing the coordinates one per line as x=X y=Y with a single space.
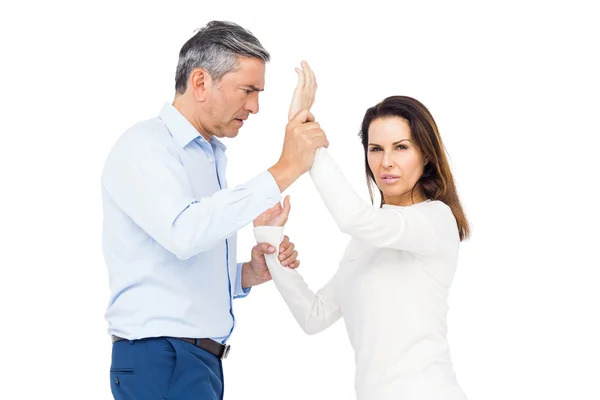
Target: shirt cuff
x=238 y=291
x=265 y=184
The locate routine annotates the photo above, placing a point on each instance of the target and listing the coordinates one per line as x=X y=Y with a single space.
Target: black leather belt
x=219 y=350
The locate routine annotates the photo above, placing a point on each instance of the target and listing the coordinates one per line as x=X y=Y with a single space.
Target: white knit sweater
x=391 y=288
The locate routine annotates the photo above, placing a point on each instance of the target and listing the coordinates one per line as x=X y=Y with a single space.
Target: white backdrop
x=514 y=89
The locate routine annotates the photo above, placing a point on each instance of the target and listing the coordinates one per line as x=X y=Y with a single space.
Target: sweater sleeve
x=314 y=312
x=402 y=228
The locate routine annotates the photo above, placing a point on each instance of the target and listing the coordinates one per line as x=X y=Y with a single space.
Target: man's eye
x=247 y=91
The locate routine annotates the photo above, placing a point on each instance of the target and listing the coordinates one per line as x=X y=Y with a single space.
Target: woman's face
x=395 y=161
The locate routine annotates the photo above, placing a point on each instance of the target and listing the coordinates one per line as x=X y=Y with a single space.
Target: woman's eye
x=401 y=147
x=375 y=149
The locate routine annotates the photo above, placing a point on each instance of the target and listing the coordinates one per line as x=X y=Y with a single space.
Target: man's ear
x=200 y=83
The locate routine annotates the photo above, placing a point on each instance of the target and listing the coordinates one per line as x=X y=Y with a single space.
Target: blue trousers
x=164 y=368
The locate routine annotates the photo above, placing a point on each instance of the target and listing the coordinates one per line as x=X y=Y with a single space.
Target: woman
x=393 y=279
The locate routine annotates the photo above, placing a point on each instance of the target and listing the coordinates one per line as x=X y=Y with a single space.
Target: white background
x=514 y=89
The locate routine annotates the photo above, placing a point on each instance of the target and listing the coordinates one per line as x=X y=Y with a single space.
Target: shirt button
x=116 y=380
x=210 y=160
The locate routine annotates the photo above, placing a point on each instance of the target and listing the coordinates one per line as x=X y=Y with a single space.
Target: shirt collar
x=218 y=143
x=181 y=129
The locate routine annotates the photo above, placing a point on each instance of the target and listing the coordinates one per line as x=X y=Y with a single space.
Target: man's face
x=230 y=101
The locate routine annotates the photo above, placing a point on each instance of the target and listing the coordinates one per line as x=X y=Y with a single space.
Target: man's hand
x=303 y=136
x=256 y=272
x=304 y=95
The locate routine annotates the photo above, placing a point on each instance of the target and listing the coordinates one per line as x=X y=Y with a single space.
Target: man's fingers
x=287 y=252
x=320 y=141
x=287 y=261
x=263 y=248
x=316 y=133
x=307 y=127
x=284 y=243
x=302 y=116
x=286 y=247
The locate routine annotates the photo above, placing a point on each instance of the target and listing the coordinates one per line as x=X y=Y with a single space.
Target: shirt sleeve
x=240 y=292
x=149 y=184
x=313 y=312
x=401 y=228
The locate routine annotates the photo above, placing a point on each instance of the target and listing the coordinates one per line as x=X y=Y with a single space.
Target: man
x=170 y=222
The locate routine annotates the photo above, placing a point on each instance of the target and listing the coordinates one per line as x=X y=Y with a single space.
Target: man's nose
x=252 y=105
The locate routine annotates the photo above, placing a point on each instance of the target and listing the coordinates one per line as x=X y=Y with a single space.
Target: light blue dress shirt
x=169 y=231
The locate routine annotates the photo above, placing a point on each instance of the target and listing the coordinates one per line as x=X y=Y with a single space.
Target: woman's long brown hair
x=436 y=182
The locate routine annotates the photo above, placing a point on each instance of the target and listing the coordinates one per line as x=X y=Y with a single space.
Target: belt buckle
x=225 y=351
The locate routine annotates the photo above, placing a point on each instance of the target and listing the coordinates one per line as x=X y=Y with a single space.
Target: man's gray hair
x=216 y=48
